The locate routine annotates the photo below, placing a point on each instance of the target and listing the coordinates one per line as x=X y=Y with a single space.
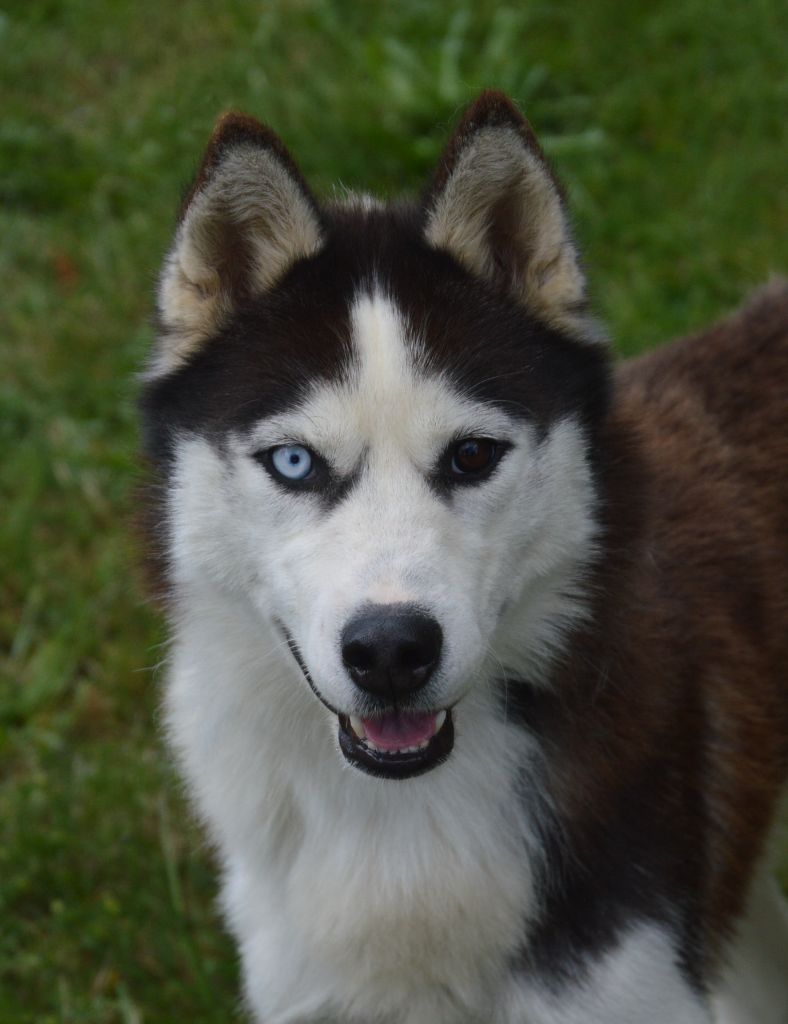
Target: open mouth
x=394 y=745
x=397 y=744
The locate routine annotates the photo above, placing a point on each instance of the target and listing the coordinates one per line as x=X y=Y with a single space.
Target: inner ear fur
x=496 y=206
x=248 y=217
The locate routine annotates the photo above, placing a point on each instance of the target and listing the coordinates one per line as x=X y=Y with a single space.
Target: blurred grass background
x=668 y=124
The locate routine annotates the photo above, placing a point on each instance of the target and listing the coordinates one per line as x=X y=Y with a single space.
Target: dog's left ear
x=497 y=208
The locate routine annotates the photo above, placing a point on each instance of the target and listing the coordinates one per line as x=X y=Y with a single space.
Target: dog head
x=376 y=424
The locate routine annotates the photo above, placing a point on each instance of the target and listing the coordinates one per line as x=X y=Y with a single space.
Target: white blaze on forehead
x=379 y=332
x=395 y=398
x=391 y=401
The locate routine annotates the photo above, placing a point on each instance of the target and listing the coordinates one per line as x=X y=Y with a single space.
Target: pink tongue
x=400 y=729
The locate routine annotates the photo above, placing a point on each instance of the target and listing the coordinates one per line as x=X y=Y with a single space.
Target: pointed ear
x=497 y=208
x=248 y=217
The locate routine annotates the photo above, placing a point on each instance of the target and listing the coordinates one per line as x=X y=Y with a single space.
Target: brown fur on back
x=716 y=404
x=713 y=414
x=670 y=738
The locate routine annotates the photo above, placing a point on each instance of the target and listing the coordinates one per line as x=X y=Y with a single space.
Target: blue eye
x=292 y=461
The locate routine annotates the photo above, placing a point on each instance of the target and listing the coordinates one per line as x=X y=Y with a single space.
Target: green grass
x=668 y=127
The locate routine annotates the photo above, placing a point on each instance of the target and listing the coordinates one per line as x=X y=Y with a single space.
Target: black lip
x=396 y=766
x=296 y=652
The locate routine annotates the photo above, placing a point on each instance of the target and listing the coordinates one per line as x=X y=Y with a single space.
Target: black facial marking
x=276 y=347
x=265 y=360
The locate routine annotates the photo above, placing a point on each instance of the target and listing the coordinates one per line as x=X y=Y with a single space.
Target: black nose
x=391 y=650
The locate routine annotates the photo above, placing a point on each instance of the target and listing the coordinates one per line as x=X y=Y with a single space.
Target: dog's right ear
x=248 y=217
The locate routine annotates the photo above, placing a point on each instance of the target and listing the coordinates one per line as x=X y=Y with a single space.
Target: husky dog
x=479 y=644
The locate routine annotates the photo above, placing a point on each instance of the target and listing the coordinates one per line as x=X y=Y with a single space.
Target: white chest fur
x=349 y=896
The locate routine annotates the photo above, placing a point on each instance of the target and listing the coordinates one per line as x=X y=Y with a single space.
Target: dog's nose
x=391 y=650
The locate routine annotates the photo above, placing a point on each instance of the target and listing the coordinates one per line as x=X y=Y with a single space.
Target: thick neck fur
x=399 y=892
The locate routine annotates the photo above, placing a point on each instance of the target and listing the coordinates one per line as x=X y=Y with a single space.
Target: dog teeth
x=358 y=727
x=440 y=718
x=400 y=750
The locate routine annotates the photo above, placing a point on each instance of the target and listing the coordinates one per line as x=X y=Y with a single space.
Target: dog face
x=375 y=425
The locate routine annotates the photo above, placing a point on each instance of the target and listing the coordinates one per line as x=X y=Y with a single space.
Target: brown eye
x=473 y=456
